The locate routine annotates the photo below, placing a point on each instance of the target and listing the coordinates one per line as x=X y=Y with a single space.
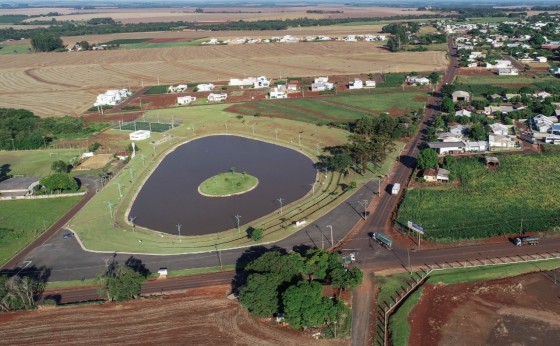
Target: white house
x=543 y=123
x=292 y=86
x=444 y=148
x=261 y=82
x=542 y=95
x=555 y=70
x=463 y=113
x=217 y=97
x=139 y=135
x=111 y=97
x=181 y=88
x=242 y=82
x=205 y=87
x=321 y=80
x=278 y=93
x=185 y=100
x=460 y=95
x=370 y=84
x=417 y=80
x=476 y=146
x=499 y=129
x=508 y=72
x=499 y=64
x=322 y=86
x=356 y=84
x=459 y=130
x=541 y=59
x=497 y=141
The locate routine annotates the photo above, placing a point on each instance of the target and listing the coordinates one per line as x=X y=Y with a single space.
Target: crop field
x=199 y=317
x=521 y=194
x=21 y=221
x=34 y=163
x=323 y=110
x=60 y=83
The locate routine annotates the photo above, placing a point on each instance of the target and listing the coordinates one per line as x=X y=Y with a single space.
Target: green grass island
x=228 y=184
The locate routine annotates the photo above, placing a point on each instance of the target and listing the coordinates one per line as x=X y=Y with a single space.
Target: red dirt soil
x=523 y=310
x=199 y=317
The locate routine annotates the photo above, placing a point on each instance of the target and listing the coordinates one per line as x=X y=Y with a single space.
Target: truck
x=383 y=240
x=396 y=189
x=526 y=241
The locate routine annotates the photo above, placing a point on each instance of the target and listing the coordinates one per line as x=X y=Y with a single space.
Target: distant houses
x=185 y=100
x=112 y=97
x=217 y=97
x=416 y=80
x=322 y=84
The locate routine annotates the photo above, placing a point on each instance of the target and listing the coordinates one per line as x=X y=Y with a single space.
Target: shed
x=492 y=161
x=461 y=96
x=429 y=175
x=139 y=135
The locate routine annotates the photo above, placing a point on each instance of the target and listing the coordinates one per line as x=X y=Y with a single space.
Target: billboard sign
x=415 y=227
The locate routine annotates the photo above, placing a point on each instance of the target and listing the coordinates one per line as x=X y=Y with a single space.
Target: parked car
x=68 y=235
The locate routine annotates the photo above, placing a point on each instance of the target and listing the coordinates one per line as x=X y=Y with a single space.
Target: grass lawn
x=343 y=108
x=18 y=48
x=227 y=184
x=35 y=162
x=147 y=44
x=21 y=221
x=504 y=80
x=523 y=192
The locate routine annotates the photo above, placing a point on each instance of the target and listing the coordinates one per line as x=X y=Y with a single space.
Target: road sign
x=415 y=227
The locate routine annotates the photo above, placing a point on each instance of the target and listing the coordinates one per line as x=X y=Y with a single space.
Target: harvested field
x=522 y=310
x=95 y=162
x=216 y=14
x=59 y=84
x=199 y=317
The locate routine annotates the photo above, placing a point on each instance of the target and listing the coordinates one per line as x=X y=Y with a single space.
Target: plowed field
x=522 y=310
x=67 y=83
x=203 y=317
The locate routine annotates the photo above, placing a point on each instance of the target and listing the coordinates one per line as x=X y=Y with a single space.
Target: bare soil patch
x=95 y=162
x=199 y=317
x=522 y=310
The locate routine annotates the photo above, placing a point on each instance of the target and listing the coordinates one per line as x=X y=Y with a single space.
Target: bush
x=255 y=234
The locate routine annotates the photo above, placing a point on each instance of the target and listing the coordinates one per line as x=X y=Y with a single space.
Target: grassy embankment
x=95 y=228
x=521 y=194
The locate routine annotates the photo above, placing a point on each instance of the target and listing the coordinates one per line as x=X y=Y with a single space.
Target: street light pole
x=179 y=230
x=238 y=217
x=332 y=238
x=280 y=200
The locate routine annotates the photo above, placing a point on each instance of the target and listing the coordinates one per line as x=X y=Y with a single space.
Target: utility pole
x=280 y=200
x=110 y=205
x=238 y=217
x=317 y=147
x=364 y=203
x=276 y=133
x=253 y=129
x=179 y=231
x=313 y=188
x=131 y=170
x=226 y=126
x=299 y=140
x=332 y=238
x=120 y=190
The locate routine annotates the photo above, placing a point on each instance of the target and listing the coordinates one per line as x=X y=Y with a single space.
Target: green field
x=21 y=221
x=147 y=44
x=145 y=125
x=227 y=184
x=17 y=48
x=12 y=18
x=127 y=41
x=344 y=108
x=504 y=80
x=522 y=194
x=35 y=162
x=157 y=89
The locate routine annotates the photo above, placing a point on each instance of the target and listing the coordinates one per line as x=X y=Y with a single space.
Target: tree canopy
x=59 y=182
x=120 y=282
x=427 y=158
x=46 y=42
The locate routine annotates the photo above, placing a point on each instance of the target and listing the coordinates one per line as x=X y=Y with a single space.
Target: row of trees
x=291 y=283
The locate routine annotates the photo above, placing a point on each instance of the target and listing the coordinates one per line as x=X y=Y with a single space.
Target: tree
x=16 y=292
x=85 y=45
x=427 y=158
x=477 y=132
x=438 y=122
x=340 y=162
x=394 y=43
x=434 y=77
x=347 y=278
x=60 y=166
x=316 y=264
x=46 y=42
x=305 y=306
x=120 y=283
x=59 y=182
x=447 y=105
x=260 y=295
x=255 y=234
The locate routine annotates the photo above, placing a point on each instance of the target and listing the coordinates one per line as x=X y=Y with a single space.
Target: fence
x=381 y=336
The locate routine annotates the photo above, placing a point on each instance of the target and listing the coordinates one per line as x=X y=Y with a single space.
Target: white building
x=463 y=113
x=356 y=84
x=322 y=86
x=217 y=97
x=321 y=80
x=499 y=129
x=278 y=93
x=185 y=100
x=417 y=80
x=242 y=82
x=139 y=135
x=370 y=84
x=111 y=97
x=497 y=141
x=181 y=88
x=508 y=72
x=205 y=87
x=261 y=82
x=499 y=64
x=543 y=123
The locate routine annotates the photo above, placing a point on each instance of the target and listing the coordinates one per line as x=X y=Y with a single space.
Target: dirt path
x=362 y=309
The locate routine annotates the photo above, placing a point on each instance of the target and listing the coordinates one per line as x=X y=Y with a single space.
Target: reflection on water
x=170 y=195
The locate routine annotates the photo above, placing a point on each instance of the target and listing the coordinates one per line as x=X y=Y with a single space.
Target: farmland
x=337 y=108
x=23 y=220
x=58 y=84
x=199 y=317
x=521 y=194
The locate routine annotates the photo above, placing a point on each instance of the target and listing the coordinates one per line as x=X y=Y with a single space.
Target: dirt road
x=362 y=308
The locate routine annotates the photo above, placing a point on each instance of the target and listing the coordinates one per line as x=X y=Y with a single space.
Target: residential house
x=499 y=129
x=205 y=87
x=429 y=175
x=242 y=82
x=463 y=113
x=321 y=80
x=370 y=84
x=511 y=96
x=476 y=146
x=278 y=93
x=442 y=175
x=543 y=123
x=542 y=95
x=261 y=82
x=415 y=80
x=111 y=97
x=461 y=96
x=322 y=86
x=459 y=130
x=356 y=84
x=185 y=100
x=508 y=72
x=449 y=137
x=541 y=59
x=497 y=141
x=292 y=86
x=444 y=148
x=217 y=97
x=555 y=129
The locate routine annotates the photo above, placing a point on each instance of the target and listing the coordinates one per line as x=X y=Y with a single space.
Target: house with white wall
x=205 y=87
x=356 y=84
x=185 y=100
x=217 y=97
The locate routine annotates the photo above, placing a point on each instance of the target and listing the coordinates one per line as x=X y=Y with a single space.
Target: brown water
x=170 y=196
